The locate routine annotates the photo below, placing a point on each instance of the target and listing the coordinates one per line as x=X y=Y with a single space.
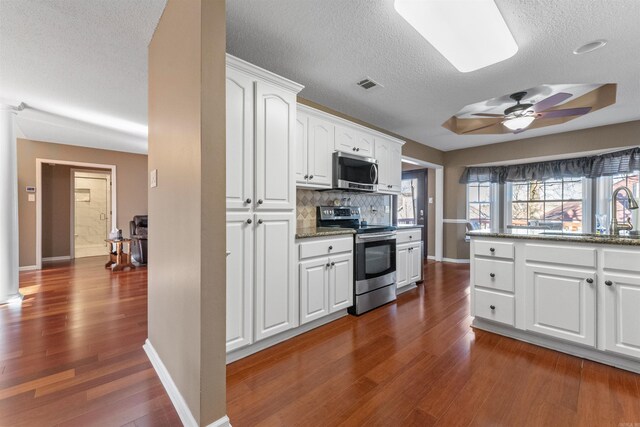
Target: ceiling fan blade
x=565 y=113
x=488 y=115
x=551 y=101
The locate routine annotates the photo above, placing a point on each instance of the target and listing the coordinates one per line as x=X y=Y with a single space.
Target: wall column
x=8 y=207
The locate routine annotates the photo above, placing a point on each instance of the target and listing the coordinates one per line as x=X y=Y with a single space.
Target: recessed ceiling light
x=589 y=47
x=471 y=34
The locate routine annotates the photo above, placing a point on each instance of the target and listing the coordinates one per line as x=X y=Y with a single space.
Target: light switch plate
x=31 y=197
x=154 y=178
x=430 y=200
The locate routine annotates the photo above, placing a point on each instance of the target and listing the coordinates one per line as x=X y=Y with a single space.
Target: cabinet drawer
x=557 y=254
x=494 y=249
x=503 y=306
x=494 y=274
x=325 y=247
x=627 y=260
x=411 y=235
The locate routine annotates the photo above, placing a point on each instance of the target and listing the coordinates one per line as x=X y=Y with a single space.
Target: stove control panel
x=338 y=212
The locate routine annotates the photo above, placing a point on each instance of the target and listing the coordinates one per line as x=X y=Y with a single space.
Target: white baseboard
x=57 y=258
x=174 y=394
x=456 y=261
x=27 y=268
x=406 y=288
x=432 y=257
x=281 y=337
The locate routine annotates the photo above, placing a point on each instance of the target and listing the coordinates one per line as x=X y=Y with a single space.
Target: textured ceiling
x=84 y=59
x=329 y=45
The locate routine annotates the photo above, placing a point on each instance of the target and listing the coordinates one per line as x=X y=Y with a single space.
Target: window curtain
x=591 y=167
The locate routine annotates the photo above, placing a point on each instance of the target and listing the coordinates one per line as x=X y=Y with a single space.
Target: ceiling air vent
x=368 y=83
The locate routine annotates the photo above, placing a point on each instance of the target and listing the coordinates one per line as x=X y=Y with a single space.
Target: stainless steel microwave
x=354 y=173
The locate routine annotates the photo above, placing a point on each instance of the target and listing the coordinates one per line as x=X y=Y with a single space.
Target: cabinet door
x=275 y=148
x=415 y=263
x=561 y=303
x=276 y=296
x=364 y=144
x=622 y=313
x=340 y=282
x=321 y=142
x=314 y=289
x=383 y=154
x=301 y=147
x=395 y=169
x=239 y=152
x=239 y=280
x=345 y=139
x=402 y=265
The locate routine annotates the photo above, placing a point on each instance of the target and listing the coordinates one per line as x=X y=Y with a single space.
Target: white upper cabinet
x=314 y=144
x=389 y=156
x=302 y=126
x=345 y=139
x=239 y=140
x=275 y=148
x=364 y=144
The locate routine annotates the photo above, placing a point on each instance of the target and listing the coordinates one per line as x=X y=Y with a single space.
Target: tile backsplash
x=372 y=206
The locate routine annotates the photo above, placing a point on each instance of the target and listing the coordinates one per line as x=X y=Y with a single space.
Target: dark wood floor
x=71 y=355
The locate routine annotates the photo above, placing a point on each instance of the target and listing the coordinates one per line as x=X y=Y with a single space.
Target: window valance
x=591 y=167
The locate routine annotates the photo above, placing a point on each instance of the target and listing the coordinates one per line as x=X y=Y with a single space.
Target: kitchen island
x=575 y=293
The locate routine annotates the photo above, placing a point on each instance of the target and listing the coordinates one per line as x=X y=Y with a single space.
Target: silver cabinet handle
x=354 y=149
x=306 y=176
x=492 y=275
x=260 y=201
x=332 y=263
x=259 y=221
x=330 y=248
x=589 y=280
x=248 y=201
x=328 y=265
x=608 y=282
x=249 y=221
x=310 y=176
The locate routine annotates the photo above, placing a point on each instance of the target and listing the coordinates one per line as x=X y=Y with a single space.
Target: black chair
x=138 y=231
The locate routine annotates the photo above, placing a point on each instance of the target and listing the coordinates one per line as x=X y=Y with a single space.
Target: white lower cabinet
x=408 y=264
x=239 y=279
x=276 y=293
x=325 y=272
x=561 y=303
x=622 y=313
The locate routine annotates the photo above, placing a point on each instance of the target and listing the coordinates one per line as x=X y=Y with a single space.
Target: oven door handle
x=379 y=236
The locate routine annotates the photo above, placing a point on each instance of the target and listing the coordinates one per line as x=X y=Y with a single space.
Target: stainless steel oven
x=355 y=173
x=375 y=270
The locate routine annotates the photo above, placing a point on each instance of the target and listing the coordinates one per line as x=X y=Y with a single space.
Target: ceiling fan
x=519 y=117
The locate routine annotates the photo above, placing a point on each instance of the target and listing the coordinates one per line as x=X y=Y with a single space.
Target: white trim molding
x=455 y=221
x=262 y=74
x=56 y=258
x=174 y=394
x=456 y=261
x=27 y=268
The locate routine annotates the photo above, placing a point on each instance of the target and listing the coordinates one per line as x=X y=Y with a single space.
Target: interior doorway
x=412 y=202
x=90 y=212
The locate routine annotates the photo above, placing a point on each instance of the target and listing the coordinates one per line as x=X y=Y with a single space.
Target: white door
x=364 y=144
x=402 y=265
x=275 y=148
x=340 y=282
x=622 y=313
x=314 y=289
x=321 y=142
x=561 y=303
x=345 y=139
x=395 y=169
x=415 y=263
x=276 y=297
x=302 y=144
x=239 y=150
x=239 y=279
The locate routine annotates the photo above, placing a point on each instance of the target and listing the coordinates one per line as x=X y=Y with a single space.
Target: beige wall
x=56 y=210
x=131 y=185
x=604 y=137
x=187 y=254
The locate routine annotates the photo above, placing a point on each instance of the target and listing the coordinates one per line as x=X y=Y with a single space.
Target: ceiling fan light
x=470 y=34
x=519 y=122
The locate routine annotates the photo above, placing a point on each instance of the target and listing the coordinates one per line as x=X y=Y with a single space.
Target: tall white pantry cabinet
x=261 y=197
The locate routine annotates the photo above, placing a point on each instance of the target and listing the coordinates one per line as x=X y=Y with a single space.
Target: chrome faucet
x=615 y=225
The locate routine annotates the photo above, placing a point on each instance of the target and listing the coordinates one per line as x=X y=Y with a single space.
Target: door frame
x=422 y=175
x=72 y=209
x=439 y=201
x=39 y=162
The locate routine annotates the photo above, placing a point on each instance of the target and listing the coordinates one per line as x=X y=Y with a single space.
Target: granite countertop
x=557 y=236
x=304 y=233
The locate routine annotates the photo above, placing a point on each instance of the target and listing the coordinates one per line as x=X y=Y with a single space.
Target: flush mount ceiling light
x=471 y=34
x=589 y=47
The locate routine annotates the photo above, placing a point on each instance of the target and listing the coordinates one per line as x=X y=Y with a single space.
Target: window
x=480 y=205
x=551 y=204
x=408 y=202
x=631 y=182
